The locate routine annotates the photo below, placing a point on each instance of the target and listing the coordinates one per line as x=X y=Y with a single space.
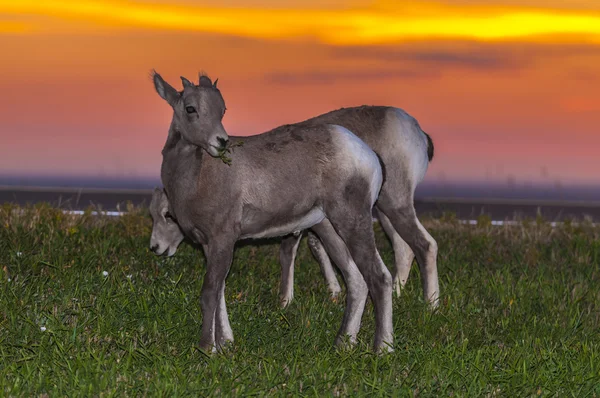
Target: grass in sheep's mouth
x=229 y=149
x=87 y=309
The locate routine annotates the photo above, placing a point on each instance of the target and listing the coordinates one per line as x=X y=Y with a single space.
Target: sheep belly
x=273 y=228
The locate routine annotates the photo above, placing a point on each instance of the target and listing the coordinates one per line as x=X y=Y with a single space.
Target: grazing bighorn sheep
x=321 y=177
x=405 y=151
x=166 y=234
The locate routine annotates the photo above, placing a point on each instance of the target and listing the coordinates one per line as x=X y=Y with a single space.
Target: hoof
x=397 y=287
x=335 y=297
x=334 y=291
x=345 y=342
x=223 y=347
x=207 y=350
x=284 y=301
x=434 y=303
x=384 y=349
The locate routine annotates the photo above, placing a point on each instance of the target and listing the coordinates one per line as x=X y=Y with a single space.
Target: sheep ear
x=186 y=82
x=156 y=197
x=160 y=197
x=164 y=89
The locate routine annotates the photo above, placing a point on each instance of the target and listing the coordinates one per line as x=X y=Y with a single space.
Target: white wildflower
x=43 y=328
x=105 y=273
x=19 y=254
x=129 y=276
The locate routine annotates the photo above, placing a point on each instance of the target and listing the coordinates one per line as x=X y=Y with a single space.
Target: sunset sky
x=509 y=90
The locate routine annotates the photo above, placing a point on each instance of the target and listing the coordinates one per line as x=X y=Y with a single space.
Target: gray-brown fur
x=405 y=150
x=278 y=183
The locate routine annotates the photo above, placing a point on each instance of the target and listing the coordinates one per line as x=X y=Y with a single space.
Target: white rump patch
x=359 y=156
x=410 y=143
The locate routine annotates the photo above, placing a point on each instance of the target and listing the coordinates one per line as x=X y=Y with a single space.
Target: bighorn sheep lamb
x=320 y=176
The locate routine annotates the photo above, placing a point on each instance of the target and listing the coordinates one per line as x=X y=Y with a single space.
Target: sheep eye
x=190 y=109
x=169 y=216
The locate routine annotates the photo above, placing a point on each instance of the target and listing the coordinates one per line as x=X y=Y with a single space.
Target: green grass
x=519 y=316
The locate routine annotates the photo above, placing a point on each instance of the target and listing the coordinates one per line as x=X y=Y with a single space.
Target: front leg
x=223 y=332
x=219 y=254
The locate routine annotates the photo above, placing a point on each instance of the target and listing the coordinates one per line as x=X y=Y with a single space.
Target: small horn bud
x=205 y=81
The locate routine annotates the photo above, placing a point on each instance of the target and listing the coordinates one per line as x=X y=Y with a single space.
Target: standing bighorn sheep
x=320 y=176
x=405 y=151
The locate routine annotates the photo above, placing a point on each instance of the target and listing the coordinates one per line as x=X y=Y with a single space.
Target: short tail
x=429 y=146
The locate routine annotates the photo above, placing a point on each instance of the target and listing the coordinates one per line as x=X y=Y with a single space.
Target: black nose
x=222 y=141
x=154 y=248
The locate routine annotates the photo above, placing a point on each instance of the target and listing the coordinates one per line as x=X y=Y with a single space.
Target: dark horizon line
x=428 y=189
x=75 y=181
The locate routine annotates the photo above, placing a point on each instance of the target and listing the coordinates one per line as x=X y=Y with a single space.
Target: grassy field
x=86 y=309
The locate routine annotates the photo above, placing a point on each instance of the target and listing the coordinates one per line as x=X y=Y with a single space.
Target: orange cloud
x=580 y=104
x=382 y=22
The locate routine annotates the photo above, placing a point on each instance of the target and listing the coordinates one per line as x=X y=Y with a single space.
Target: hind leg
x=355 y=227
x=357 y=290
x=318 y=251
x=404 y=220
x=403 y=255
x=287 y=255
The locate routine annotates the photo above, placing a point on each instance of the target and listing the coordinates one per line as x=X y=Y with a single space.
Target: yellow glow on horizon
x=14 y=27
x=381 y=23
